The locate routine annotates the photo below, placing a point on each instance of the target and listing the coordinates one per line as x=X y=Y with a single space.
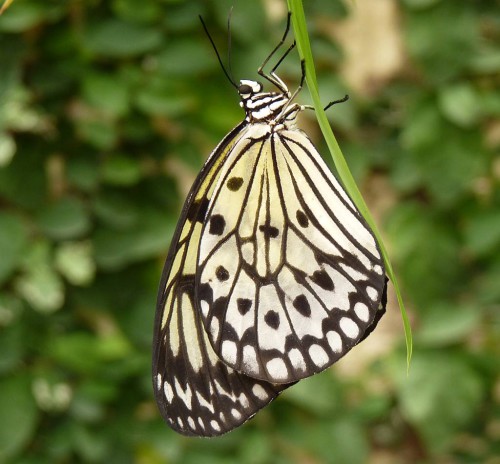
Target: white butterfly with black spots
x=272 y=275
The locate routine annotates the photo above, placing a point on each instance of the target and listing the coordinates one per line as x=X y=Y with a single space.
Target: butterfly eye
x=245 y=90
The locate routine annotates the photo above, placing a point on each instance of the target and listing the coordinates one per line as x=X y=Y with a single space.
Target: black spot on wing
x=302 y=305
x=222 y=273
x=322 y=279
x=198 y=210
x=244 y=305
x=269 y=231
x=272 y=319
x=302 y=218
x=217 y=224
x=234 y=183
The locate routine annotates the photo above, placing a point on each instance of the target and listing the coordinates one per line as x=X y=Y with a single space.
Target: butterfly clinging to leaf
x=272 y=273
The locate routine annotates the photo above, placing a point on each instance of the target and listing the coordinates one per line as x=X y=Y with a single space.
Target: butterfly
x=272 y=273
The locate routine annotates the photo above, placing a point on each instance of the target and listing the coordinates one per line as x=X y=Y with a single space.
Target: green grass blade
x=304 y=49
x=5 y=5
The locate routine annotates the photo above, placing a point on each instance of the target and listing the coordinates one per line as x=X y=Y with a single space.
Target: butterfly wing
x=289 y=275
x=197 y=393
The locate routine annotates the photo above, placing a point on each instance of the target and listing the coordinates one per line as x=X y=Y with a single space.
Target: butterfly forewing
x=289 y=276
x=196 y=392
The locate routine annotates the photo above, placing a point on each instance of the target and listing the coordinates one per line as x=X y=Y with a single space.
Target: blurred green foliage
x=107 y=110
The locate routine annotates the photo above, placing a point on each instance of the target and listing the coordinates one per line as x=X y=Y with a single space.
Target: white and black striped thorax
x=271 y=108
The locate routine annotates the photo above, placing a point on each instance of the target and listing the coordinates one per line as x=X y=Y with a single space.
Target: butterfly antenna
x=229 y=44
x=229 y=78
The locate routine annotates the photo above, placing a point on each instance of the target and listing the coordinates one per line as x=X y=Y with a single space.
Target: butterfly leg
x=272 y=77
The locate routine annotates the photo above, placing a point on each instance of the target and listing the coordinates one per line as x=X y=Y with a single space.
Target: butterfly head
x=261 y=106
x=247 y=89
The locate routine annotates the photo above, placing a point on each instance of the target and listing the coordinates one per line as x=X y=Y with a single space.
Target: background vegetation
x=107 y=111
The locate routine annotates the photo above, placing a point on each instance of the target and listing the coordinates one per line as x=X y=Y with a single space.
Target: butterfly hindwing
x=289 y=275
x=196 y=392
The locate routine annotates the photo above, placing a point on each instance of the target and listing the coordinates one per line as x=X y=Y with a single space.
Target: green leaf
x=423 y=127
x=120 y=39
x=419 y=235
x=148 y=11
x=7 y=149
x=64 y=219
x=437 y=52
x=101 y=133
x=304 y=48
x=450 y=168
x=13 y=240
x=158 y=96
x=18 y=413
x=74 y=261
x=121 y=170
x=91 y=445
x=440 y=397
x=256 y=448
x=248 y=19
x=488 y=290
x=12 y=341
x=180 y=18
x=482 y=232
x=107 y=93
x=136 y=326
x=486 y=61
x=83 y=173
x=342 y=441
x=116 y=210
x=26 y=14
x=51 y=393
x=461 y=104
x=27 y=164
x=439 y=154
x=446 y=323
x=185 y=57
x=18 y=113
x=84 y=352
x=40 y=285
x=318 y=394
x=11 y=309
x=114 y=249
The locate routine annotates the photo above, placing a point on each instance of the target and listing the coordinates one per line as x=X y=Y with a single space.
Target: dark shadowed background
x=107 y=111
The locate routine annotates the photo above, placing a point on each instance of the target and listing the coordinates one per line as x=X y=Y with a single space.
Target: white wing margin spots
x=310 y=282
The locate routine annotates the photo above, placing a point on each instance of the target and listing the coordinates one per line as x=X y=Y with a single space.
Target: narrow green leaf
x=304 y=49
x=18 y=414
x=5 y=5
